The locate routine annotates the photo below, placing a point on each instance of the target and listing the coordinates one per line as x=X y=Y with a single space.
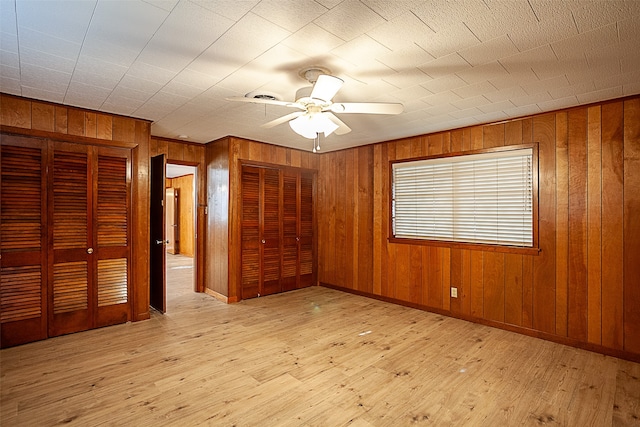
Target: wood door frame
x=197 y=222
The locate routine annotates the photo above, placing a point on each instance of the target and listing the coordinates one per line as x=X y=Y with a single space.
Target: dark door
x=157 y=257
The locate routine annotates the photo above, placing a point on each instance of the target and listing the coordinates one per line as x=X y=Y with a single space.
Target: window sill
x=470 y=246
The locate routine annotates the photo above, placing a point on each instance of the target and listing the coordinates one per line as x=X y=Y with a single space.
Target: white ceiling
x=452 y=63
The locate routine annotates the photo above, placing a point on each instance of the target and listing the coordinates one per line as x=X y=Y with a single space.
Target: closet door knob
x=264 y=241
x=90 y=250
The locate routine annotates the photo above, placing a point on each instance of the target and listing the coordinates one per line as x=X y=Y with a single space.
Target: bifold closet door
x=23 y=240
x=260 y=231
x=112 y=236
x=70 y=244
x=89 y=255
x=307 y=272
x=297 y=225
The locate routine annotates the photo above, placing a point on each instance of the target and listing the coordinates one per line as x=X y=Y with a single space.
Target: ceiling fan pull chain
x=314 y=143
x=318 y=147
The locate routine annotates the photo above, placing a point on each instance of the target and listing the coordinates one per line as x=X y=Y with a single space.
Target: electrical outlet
x=454 y=292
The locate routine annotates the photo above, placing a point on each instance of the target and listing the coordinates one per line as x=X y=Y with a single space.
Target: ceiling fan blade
x=367 y=107
x=342 y=127
x=265 y=101
x=282 y=119
x=326 y=87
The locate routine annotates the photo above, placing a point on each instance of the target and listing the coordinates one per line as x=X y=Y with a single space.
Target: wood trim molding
x=225 y=299
x=621 y=354
x=66 y=137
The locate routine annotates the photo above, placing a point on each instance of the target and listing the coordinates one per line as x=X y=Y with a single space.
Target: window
x=485 y=197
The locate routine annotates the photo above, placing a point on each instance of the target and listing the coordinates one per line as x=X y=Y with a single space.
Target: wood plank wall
x=223 y=158
x=47 y=120
x=184 y=185
x=190 y=154
x=583 y=288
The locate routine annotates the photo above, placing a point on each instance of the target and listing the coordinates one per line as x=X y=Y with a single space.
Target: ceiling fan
x=316 y=108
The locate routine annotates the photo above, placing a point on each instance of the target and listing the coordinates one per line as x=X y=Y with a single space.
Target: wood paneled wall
x=47 y=120
x=184 y=185
x=582 y=289
x=223 y=231
x=190 y=154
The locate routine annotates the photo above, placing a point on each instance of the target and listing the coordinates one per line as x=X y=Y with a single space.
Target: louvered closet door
x=306 y=232
x=89 y=250
x=270 y=232
x=70 y=238
x=250 y=231
x=260 y=229
x=23 y=278
x=112 y=242
x=290 y=236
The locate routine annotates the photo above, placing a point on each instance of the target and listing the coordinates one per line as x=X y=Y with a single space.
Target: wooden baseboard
x=621 y=354
x=225 y=299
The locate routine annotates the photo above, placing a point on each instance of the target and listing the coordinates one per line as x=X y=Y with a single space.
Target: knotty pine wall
x=583 y=288
x=47 y=120
x=189 y=154
x=223 y=159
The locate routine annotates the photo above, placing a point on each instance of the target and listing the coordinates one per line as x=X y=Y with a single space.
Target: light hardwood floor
x=313 y=357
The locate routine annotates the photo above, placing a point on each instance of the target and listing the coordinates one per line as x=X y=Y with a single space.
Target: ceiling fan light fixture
x=310 y=125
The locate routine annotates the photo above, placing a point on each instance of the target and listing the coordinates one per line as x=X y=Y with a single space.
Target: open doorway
x=180 y=232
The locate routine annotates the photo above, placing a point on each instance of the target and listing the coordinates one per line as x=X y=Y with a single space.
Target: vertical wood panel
x=402 y=272
x=456 y=141
x=446 y=277
x=90 y=125
x=544 y=264
x=378 y=224
x=365 y=220
x=15 y=112
x=342 y=278
x=513 y=289
x=62 y=119
x=594 y=224
x=455 y=277
x=124 y=129
x=577 y=288
x=104 y=126
x=493 y=135
x=612 y=225
x=75 y=122
x=387 y=154
x=513 y=132
x=476 y=138
x=631 y=225
x=43 y=116
x=477 y=285
x=351 y=228
x=435 y=277
x=493 y=286
x=435 y=144
x=562 y=223
x=175 y=151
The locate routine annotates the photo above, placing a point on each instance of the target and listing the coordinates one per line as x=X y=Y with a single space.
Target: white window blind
x=478 y=198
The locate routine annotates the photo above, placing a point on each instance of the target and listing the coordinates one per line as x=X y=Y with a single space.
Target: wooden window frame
x=533 y=250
